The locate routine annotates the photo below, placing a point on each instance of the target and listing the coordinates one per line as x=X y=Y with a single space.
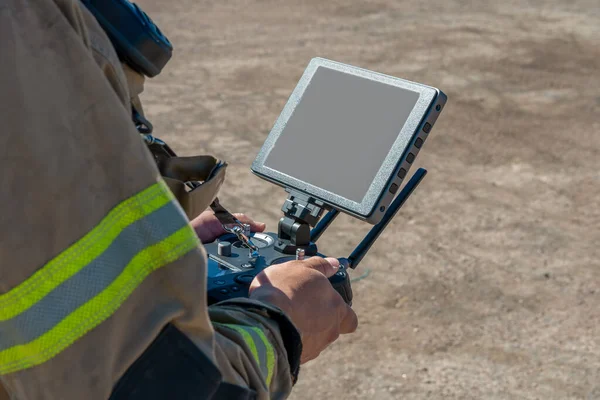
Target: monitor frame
x=381 y=192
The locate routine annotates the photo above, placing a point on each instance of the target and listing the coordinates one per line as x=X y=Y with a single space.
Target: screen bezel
x=396 y=155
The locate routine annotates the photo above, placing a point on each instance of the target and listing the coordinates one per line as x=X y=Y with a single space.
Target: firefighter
x=102 y=268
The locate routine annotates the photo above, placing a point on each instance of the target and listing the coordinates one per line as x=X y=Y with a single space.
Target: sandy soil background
x=486 y=286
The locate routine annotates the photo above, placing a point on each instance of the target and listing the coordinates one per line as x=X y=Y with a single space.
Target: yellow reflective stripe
x=82 y=252
x=100 y=307
x=247 y=338
x=270 y=354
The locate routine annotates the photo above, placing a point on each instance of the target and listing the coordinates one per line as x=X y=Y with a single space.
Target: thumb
x=255 y=226
x=327 y=266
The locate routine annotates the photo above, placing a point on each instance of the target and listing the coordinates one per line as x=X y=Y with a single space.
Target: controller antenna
x=363 y=247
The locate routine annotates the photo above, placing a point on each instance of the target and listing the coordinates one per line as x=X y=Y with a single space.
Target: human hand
x=301 y=289
x=208 y=227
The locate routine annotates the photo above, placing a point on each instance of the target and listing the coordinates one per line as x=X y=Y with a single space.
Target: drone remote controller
x=228 y=255
x=232 y=266
x=344 y=142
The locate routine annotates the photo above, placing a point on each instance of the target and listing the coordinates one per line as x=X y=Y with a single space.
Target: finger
x=327 y=266
x=254 y=225
x=304 y=358
x=207 y=227
x=349 y=322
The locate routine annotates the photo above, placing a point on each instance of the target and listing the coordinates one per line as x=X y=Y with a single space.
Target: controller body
x=232 y=266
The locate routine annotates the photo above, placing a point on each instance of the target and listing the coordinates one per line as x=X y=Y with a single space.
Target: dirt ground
x=487 y=284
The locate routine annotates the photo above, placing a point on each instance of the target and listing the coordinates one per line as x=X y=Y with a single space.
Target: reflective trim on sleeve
x=82 y=252
x=260 y=346
x=269 y=353
x=88 y=282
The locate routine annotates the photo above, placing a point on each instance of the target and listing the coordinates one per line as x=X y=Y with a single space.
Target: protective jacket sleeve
x=102 y=279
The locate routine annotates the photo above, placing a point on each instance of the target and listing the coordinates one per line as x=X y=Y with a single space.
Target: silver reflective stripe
x=92 y=279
